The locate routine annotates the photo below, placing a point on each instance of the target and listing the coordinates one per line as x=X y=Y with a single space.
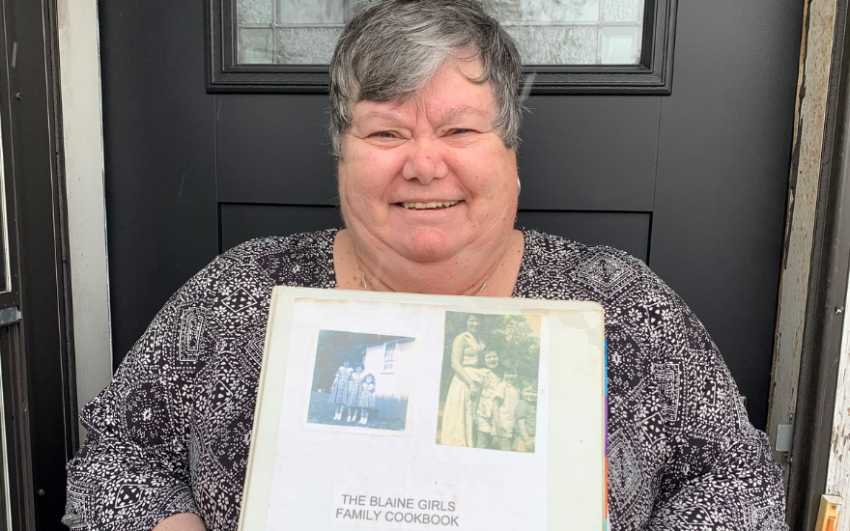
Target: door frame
x=37 y=350
x=819 y=204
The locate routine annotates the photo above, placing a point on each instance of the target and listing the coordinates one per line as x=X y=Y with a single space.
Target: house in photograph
x=392 y=364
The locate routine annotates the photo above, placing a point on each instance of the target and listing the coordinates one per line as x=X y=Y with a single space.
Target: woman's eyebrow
x=384 y=116
x=453 y=113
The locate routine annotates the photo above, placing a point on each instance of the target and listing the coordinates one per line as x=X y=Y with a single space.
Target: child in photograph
x=489 y=380
x=353 y=394
x=506 y=399
x=339 y=389
x=526 y=417
x=367 y=397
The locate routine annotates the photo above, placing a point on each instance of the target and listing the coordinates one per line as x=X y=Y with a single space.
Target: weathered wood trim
x=812 y=96
x=829 y=263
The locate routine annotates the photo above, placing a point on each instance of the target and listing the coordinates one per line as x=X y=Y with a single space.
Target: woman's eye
x=458 y=131
x=385 y=134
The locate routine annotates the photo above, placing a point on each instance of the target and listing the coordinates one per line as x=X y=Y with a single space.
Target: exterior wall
x=838 y=480
x=394 y=382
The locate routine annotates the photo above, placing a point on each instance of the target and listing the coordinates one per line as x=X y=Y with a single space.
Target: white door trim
x=79 y=62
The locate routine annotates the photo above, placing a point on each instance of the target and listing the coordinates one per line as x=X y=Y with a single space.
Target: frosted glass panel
x=313 y=11
x=556 y=45
x=299 y=46
x=548 y=32
x=256 y=46
x=255 y=12
x=620 y=45
x=623 y=11
x=543 y=11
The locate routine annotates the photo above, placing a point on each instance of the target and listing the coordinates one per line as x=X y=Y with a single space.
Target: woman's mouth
x=429 y=206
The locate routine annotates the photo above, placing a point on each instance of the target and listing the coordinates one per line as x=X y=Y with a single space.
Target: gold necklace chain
x=366 y=284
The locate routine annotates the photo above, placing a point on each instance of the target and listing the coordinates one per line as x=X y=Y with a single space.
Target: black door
x=693 y=182
x=38 y=421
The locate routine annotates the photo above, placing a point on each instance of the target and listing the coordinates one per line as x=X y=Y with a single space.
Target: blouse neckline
x=524 y=267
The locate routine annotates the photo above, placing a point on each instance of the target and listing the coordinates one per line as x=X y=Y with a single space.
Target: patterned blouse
x=170 y=434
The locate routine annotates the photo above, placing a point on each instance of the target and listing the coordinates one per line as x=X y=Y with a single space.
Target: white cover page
x=409 y=414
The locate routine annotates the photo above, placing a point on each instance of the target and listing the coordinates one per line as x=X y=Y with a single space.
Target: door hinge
x=10 y=316
x=784 y=438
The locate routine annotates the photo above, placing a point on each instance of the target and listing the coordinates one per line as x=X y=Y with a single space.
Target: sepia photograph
x=361 y=380
x=488 y=388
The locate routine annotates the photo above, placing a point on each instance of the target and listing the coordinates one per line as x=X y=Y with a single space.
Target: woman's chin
x=429 y=246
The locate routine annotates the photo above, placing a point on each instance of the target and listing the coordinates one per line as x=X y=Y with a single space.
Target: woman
x=424 y=120
x=458 y=412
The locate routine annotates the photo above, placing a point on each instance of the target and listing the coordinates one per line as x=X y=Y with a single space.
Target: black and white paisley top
x=171 y=432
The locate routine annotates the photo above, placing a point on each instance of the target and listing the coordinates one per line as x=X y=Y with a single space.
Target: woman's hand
x=181 y=522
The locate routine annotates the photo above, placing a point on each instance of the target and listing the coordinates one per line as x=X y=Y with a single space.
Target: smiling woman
x=425 y=116
x=427 y=184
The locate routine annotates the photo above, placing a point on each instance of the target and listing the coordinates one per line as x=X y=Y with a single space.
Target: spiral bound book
x=412 y=412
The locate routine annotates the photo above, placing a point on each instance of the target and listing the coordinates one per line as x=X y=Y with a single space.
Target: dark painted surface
x=274 y=149
x=589 y=152
x=240 y=223
x=159 y=135
x=723 y=163
x=708 y=165
x=42 y=431
x=628 y=231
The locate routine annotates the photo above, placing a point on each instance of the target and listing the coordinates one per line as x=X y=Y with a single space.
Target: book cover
x=407 y=412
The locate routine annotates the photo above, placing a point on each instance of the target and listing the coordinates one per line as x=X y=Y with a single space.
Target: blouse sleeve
x=133 y=469
x=721 y=473
x=521 y=411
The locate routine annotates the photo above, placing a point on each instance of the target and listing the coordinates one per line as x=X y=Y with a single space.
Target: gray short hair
x=392 y=48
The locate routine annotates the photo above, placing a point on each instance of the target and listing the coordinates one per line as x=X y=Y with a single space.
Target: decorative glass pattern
x=548 y=32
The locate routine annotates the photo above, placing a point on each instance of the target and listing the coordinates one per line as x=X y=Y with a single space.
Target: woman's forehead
x=449 y=95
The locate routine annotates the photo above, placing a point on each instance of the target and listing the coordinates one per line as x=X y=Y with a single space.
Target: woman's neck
x=495 y=271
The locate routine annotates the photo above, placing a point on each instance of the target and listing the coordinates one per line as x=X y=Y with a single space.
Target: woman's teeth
x=425 y=206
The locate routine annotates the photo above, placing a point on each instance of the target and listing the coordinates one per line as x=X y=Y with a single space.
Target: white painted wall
x=397 y=381
x=838 y=478
x=79 y=57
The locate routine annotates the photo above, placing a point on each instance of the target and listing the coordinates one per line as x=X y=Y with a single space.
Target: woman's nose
x=425 y=162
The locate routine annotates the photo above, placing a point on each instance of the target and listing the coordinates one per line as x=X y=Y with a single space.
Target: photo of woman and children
x=360 y=380
x=488 y=392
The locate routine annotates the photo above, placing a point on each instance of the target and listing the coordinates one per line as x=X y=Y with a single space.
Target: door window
x=548 y=32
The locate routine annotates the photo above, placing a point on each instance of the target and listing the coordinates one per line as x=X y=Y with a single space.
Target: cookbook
x=388 y=411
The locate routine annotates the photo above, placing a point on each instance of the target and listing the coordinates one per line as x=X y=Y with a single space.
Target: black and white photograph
x=488 y=388
x=361 y=380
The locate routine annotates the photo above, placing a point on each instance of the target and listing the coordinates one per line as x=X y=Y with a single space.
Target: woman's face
x=429 y=177
x=472 y=324
x=491 y=360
